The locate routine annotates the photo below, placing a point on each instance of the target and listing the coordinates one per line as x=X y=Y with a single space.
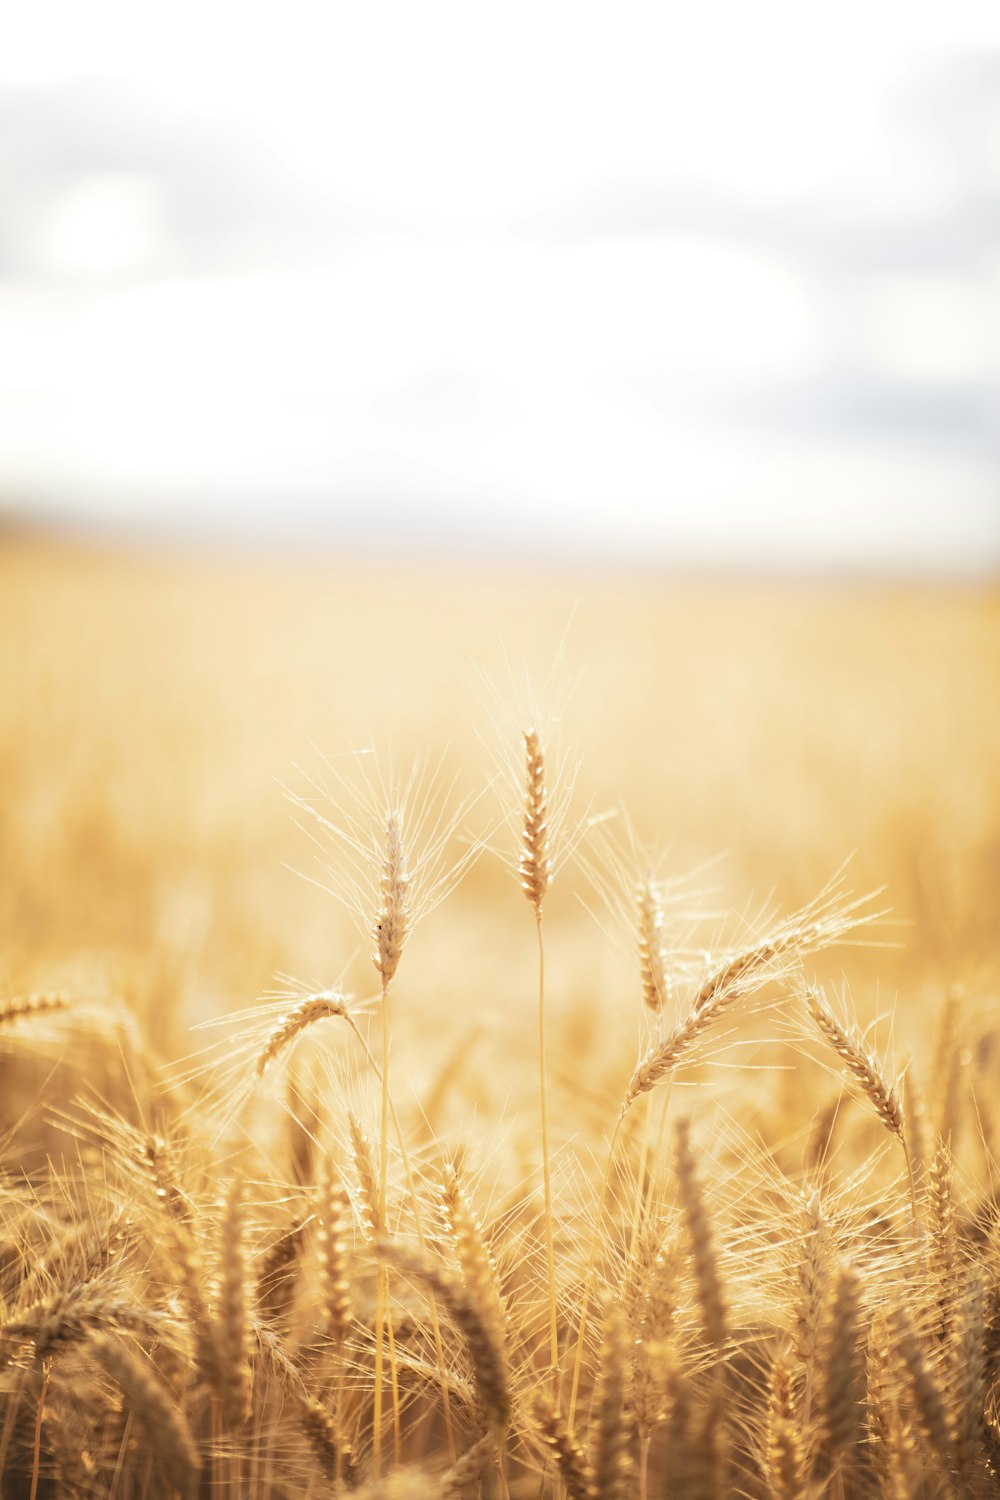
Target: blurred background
x=350 y=355
x=713 y=285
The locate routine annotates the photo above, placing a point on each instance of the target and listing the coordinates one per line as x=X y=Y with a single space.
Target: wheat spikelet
x=569 y=1456
x=24 y=1007
x=152 y=1405
x=477 y=1324
x=333 y=1453
x=708 y=1282
x=335 y=1288
x=862 y=1064
x=652 y=961
x=534 y=865
x=784 y=1460
x=609 y=1449
x=368 y=1181
x=308 y=1010
x=232 y=1337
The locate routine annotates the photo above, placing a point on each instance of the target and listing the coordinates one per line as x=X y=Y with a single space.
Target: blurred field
x=155 y=707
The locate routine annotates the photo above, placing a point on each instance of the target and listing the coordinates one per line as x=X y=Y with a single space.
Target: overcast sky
x=705 y=282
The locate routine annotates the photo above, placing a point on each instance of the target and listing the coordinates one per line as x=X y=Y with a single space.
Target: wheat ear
x=609 y=1450
x=708 y=1282
x=887 y=1438
x=969 y=1391
x=863 y=1065
x=927 y=1398
x=333 y=1453
x=477 y=1325
x=392 y=922
x=652 y=962
x=814 y=1282
x=154 y=1408
x=468 y=1468
x=294 y=1022
x=783 y=1460
x=275 y=1278
x=868 y=1071
x=843 y=1374
x=22 y=1007
x=158 y=1160
x=569 y=1456
x=710 y=1001
x=534 y=865
x=335 y=1287
x=66 y=1317
x=368 y=1180
x=232 y=1333
x=943 y=1243
x=472 y=1252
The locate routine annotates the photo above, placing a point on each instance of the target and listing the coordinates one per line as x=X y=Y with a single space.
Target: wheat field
x=475 y=1031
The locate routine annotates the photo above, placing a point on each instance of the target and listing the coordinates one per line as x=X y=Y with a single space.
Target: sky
x=715 y=284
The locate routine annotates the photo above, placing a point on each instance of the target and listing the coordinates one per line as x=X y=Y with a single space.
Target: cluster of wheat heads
x=290 y=1283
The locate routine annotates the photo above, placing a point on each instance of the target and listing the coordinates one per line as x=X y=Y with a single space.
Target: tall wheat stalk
x=535 y=870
